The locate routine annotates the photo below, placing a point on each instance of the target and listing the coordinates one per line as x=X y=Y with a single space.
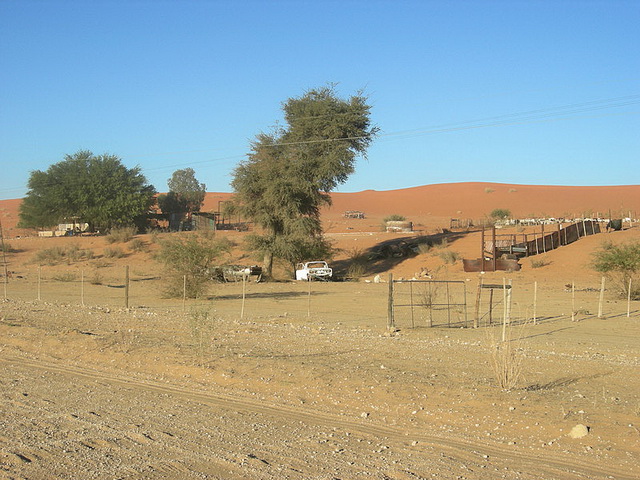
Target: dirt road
x=95 y=394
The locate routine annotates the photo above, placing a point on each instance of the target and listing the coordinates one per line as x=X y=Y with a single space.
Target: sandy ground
x=305 y=381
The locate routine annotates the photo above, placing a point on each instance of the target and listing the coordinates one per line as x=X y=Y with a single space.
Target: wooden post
x=411 y=302
x=509 y=290
x=535 y=302
x=493 y=247
x=491 y=306
x=82 y=287
x=126 y=286
x=39 y=281
x=431 y=304
x=476 y=319
x=629 y=300
x=4 y=261
x=448 y=306
x=482 y=251
x=244 y=282
x=464 y=289
x=504 y=309
x=309 y=298
x=544 y=244
x=184 y=293
x=573 y=301
x=391 y=323
x=601 y=298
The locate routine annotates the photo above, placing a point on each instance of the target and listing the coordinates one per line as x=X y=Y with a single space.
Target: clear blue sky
x=530 y=92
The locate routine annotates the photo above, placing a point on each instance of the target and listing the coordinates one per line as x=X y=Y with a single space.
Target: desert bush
x=6 y=247
x=96 y=278
x=506 y=358
x=424 y=248
x=449 y=256
x=394 y=218
x=357 y=264
x=500 y=214
x=65 y=277
x=121 y=235
x=190 y=256
x=138 y=245
x=489 y=190
x=201 y=327
x=101 y=263
x=113 y=252
x=539 y=262
x=621 y=263
x=55 y=255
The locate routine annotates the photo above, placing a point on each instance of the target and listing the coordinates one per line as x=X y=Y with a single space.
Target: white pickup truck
x=317 y=270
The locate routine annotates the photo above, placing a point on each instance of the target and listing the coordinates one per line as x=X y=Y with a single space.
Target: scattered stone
x=579 y=431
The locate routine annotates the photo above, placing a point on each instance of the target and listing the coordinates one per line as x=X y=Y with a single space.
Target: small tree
x=190 y=256
x=620 y=263
x=500 y=214
x=186 y=194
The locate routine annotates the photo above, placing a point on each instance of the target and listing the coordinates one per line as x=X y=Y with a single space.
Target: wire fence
x=411 y=304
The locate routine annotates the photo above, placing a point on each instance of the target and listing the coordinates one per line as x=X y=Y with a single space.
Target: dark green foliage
x=193 y=256
x=98 y=190
x=290 y=172
x=394 y=218
x=500 y=214
x=185 y=186
x=620 y=262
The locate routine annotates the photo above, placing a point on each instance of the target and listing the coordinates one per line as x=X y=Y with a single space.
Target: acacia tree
x=98 y=190
x=290 y=172
x=186 y=194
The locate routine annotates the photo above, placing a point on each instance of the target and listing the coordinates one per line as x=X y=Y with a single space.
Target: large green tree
x=186 y=194
x=290 y=172
x=96 y=189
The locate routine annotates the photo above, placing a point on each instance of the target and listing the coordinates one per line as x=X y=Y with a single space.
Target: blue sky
x=529 y=92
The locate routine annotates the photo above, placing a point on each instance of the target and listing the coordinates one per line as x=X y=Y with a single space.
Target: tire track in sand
x=548 y=464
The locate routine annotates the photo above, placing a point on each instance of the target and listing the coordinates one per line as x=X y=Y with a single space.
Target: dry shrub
x=65 y=277
x=121 y=235
x=506 y=357
x=55 y=255
x=449 y=256
x=113 y=252
x=540 y=262
x=357 y=264
x=138 y=245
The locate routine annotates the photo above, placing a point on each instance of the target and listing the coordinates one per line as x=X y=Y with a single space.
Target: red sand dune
x=471 y=200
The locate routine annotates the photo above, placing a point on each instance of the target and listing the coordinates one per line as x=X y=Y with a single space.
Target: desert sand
x=304 y=380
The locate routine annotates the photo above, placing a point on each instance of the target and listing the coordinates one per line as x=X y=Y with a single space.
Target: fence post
x=504 y=309
x=573 y=301
x=629 y=300
x=244 y=281
x=391 y=324
x=411 y=301
x=184 y=293
x=601 y=298
x=39 y=281
x=309 y=297
x=535 y=302
x=82 y=287
x=126 y=286
x=476 y=319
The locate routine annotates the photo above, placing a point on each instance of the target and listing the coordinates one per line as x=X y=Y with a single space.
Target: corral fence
x=427 y=303
x=524 y=244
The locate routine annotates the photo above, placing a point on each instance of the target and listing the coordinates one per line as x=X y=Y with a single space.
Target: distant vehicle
x=317 y=270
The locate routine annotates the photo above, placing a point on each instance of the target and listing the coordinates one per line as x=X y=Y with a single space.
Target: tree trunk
x=267 y=266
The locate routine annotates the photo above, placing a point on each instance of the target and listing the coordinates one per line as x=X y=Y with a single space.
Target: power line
x=561 y=112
